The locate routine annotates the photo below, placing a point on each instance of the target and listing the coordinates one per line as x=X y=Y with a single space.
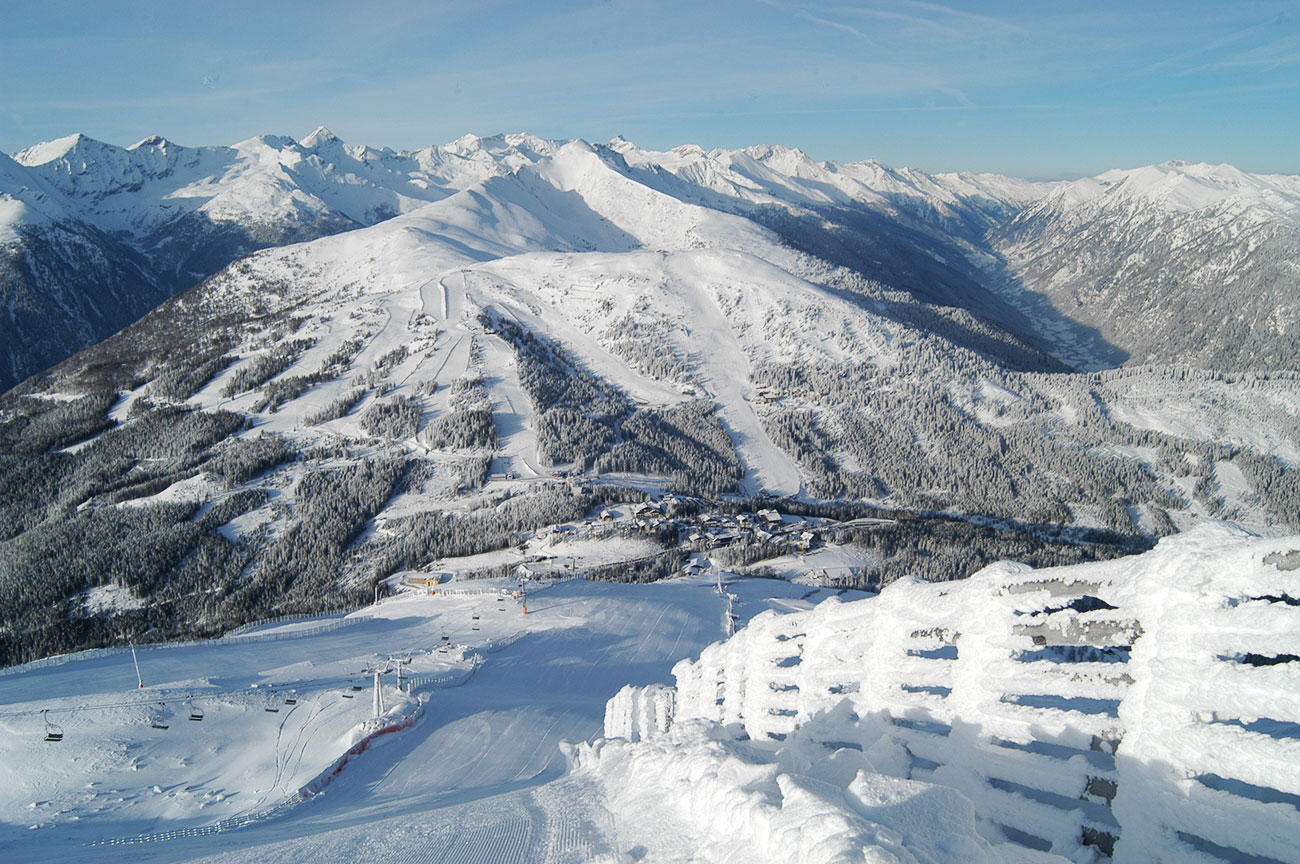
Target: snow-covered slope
x=471 y=776
x=1005 y=249
x=1189 y=262
x=956 y=722
x=1139 y=708
x=553 y=337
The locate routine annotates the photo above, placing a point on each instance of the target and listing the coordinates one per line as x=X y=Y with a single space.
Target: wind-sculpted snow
x=736 y=803
x=1143 y=708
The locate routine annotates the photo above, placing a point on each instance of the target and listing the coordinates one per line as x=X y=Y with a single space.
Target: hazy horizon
x=1003 y=87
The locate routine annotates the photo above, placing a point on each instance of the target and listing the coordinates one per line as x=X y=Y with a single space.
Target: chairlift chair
x=292 y=698
x=157 y=719
x=53 y=731
x=196 y=713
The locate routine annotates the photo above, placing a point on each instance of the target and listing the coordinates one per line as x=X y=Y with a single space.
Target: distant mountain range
x=1172 y=263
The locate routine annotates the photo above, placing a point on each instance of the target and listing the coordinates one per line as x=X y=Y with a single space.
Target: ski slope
x=479 y=776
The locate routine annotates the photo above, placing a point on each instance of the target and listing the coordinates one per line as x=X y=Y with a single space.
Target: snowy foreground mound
x=1144 y=708
x=741 y=803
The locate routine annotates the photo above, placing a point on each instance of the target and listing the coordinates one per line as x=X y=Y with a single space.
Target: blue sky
x=1036 y=89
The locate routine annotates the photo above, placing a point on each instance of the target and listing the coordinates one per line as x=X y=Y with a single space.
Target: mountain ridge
x=997 y=246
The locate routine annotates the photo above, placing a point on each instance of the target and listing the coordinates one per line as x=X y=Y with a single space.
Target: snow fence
x=1146 y=708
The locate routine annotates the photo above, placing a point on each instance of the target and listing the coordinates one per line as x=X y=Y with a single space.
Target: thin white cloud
x=963 y=15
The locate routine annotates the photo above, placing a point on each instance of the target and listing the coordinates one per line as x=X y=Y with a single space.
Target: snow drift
x=1143 y=707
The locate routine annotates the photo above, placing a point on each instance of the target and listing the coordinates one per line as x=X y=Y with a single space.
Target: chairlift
x=157 y=719
x=196 y=713
x=53 y=732
x=271 y=705
x=292 y=698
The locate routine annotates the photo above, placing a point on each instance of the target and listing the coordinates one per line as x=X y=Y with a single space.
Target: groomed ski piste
x=479 y=775
x=1142 y=708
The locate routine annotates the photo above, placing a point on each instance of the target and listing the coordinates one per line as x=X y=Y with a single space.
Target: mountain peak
x=320 y=135
x=48 y=151
x=153 y=141
x=272 y=142
x=465 y=144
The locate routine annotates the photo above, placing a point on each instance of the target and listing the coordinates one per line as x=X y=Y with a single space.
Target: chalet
x=723 y=538
x=428 y=580
x=649 y=510
x=769 y=516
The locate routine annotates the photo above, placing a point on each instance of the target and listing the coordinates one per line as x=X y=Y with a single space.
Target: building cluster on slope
x=703 y=531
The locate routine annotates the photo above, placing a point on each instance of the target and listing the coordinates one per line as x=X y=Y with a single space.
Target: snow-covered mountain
x=178 y=214
x=95 y=234
x=1171 y=262
x=562 y=317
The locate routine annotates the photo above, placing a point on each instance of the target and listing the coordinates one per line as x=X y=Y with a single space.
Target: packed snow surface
x=480 y=771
